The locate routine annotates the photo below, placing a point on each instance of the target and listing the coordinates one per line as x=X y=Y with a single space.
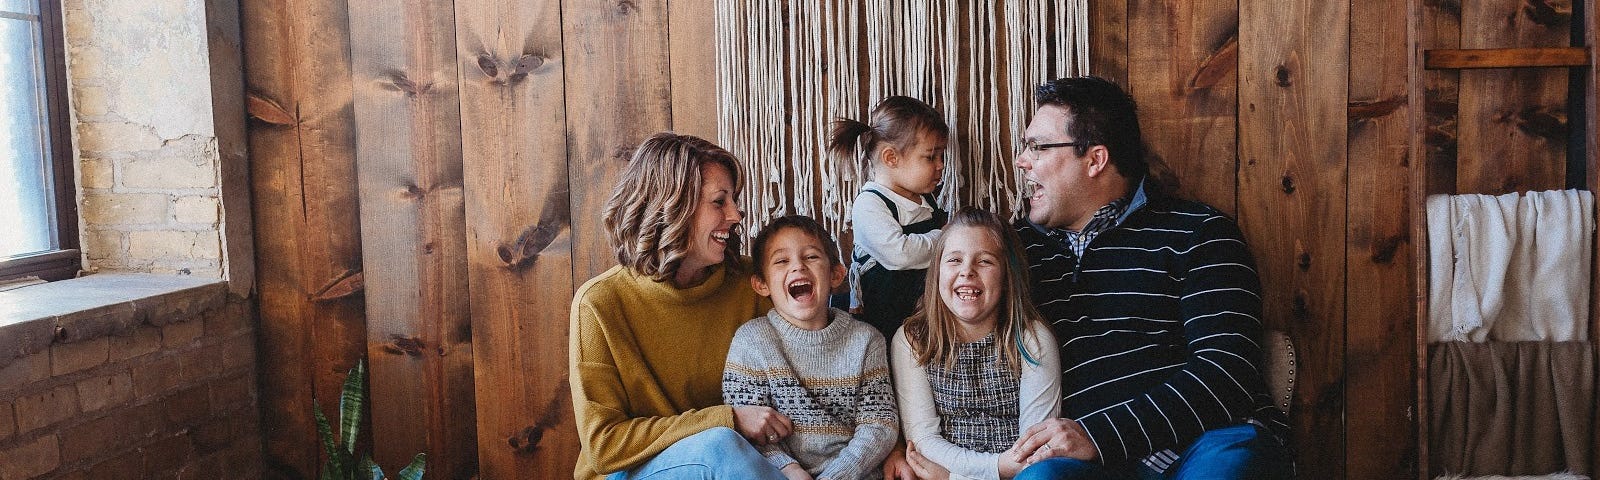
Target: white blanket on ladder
x=1510 y=267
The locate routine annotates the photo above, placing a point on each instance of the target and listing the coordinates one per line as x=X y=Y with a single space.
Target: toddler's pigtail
x=854 y=140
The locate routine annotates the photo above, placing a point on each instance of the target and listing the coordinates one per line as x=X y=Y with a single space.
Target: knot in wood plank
x=268 y=111
x=1301 y=311
x=403 y=345
x=1383 y=251
x=1549 y=123
x=346 y=284
x=487 y=64
x=1368 y=110
x=1543 y=13
x=1217 y=66
x=1281 y=75
x=525 y=65
x=400 y=81
x=1452 y=7
x=1288 y=183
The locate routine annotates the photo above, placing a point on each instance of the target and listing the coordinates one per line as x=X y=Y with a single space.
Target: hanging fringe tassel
x=786 y=71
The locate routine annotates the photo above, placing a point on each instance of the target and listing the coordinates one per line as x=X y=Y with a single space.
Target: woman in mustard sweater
x=649 y=336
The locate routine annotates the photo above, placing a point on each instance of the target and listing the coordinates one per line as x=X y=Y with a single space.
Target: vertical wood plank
x=1591 y=29
x=619 y=83
x=1183 y=69
x=1380 y=349
x=1513 y=130
x=1108 y=40
x=519 y=265
x=302 y=151
x=413 y=234
x=693 y=55
x=1441 y=28
x=1418 y=96
x=1292 y=144
x=226 y=59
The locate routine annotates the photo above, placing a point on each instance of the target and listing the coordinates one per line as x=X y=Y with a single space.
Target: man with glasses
x=1154 y=300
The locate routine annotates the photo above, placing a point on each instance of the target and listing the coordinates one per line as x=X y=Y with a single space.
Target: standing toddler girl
x=895 y=218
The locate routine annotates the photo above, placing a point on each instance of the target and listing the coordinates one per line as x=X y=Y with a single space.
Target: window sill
x=66 y=311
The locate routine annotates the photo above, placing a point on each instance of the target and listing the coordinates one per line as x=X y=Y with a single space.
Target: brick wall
x=166 y=392
x=148 y=158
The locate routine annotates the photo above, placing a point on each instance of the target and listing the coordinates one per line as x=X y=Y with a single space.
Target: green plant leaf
x=370 y=469
x=332 y=468
x=414 y=470
x=351 y=400
x=337 y=467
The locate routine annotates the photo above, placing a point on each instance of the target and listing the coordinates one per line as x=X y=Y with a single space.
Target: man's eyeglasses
x=1040 y=147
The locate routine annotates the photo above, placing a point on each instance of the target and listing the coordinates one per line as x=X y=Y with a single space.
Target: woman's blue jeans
x=1242 y=451
x=718 y=453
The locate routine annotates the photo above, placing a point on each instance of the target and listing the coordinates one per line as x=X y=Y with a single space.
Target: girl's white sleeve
x=1039 y=389
x=920 y=418
x=878 y=233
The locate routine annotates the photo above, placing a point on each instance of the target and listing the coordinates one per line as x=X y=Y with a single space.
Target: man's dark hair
x=1099 y=113
x=806 y=225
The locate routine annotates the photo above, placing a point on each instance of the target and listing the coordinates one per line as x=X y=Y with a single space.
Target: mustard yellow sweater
x=646 y=361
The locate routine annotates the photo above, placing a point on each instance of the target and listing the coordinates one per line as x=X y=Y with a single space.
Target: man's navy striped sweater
x=1159 y=325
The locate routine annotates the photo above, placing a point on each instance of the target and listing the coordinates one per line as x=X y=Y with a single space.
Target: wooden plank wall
x=1380 y=351
x=515 y=146
x=481 y=138
x=308 y=240
x=409 y=165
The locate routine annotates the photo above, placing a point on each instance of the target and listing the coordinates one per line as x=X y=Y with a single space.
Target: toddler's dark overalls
x=889 y=296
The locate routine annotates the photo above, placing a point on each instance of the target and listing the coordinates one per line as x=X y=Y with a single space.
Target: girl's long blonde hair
x=650 y=214
x=932 y=330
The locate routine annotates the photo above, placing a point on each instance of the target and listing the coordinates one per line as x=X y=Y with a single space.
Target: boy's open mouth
x=800 y=289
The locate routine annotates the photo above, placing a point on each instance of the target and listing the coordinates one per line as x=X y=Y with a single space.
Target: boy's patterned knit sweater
x=832 y=383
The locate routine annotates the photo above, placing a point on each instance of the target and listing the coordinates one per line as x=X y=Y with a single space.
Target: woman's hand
x=925 y=468
x=761 y=425
x=895 y=467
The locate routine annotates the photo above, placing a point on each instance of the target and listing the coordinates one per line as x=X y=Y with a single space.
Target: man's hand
x=1057 y=437
x=761 y=425
x=925 y=468
x=895 y=467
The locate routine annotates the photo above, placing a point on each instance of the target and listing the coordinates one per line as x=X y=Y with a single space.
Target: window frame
x=66 y=260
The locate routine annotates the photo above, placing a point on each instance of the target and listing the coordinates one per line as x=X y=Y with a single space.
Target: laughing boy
x=824 y=370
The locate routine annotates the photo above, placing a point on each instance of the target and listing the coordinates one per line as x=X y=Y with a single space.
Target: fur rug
x=1553 y=476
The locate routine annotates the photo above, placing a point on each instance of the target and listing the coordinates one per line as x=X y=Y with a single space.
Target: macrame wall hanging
x=787 y=69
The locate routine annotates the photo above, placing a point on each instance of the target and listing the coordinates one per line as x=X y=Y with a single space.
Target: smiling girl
x=976 y=366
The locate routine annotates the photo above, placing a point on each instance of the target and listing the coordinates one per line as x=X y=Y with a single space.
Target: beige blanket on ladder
x=1524 y=408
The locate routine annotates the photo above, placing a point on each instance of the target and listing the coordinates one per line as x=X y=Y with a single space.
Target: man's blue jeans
x=1242 y=451
x=718 y=453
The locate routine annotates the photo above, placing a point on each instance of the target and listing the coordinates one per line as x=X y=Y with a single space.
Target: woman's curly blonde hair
x=650 y=213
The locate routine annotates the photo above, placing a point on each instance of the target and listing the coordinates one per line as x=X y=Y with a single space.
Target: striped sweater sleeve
x=1220 y=306
x=745 y=381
